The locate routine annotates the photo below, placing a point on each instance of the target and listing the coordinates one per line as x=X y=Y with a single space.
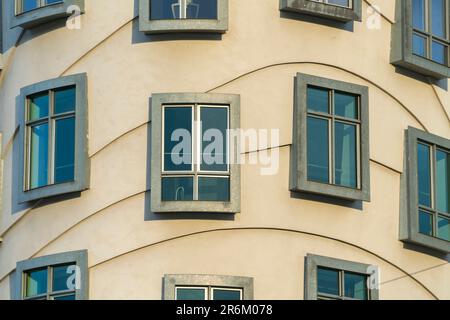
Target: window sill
x=323 y=10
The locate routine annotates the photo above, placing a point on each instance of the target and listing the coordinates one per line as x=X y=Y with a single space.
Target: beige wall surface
x=130 y=249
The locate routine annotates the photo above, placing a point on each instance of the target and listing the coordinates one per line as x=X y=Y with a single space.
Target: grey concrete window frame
x=409 y=211
x=298 y=173
x=44 y=14
x=312 y=262
x=324 y=10
x=149 y=26
x=82 y=162
x=402 y=45
x=171 y=281
x=80 y=258
x=157 y=205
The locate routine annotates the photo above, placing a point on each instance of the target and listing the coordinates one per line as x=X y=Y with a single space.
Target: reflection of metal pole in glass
x=179 y=194
x=185 y=9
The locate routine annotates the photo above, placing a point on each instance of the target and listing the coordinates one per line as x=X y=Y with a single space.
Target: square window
x=340 y=10
x=53 y=137
x=330 y=154
x=166 y=16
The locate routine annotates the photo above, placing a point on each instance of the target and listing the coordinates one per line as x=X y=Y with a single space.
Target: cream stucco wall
x=130 y=249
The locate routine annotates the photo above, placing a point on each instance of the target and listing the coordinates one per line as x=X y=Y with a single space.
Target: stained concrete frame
x=409 y=211
x=195 y=280
x=324 y=10
x=149 y=26
x=298 y=173
x=47 y=13
x=82 y=162
x=402 y=45
x=159 y=206
x=80 y=258
x=314 y=261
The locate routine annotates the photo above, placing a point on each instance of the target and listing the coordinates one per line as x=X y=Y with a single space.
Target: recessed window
x=163 y=16
x=335 y=279
x=207 y=287
x=427 y=220
x=340 y=10
x=330 y=137
x=54 y=133
x=28 y=5
x=192 y=169
x=56 y=277
x=421 y=37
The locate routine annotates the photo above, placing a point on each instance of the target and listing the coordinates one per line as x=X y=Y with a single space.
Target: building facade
x=338 y=189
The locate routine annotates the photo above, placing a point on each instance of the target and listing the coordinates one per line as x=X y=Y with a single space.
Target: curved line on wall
x=375 y=7
x=187 y=235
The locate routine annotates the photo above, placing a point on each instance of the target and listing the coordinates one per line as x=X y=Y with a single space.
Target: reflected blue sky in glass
x=424 y=174
x=442 y=181
x=318 y=150
x=29 y=5
x=438 y=14
x=65 y=100
x=177 y=118
x=36 y=282
x=443 y=228
x=346 y=105
x=355 y=286
x=213 y=189
x=177 y=189
x=418 y=9
x=439 y=52
x=191 y=294
x=39 y=156
x=419 y=45
x=64 y=150
x=345 y=155
x=318 y=99
x=215 y=123
x=224 y=295
x=327 y=281
x=425 y=223
x=38 y=107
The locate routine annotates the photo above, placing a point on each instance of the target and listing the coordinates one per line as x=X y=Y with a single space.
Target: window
x=330 y=151
x=192 y=166
x=207 y=287
x=54 y=130
x=334 y=279
x=427 y=220
x=160 y=16
x=341 y=10
x=31 y=13
x=56 y=277
x=422 y=38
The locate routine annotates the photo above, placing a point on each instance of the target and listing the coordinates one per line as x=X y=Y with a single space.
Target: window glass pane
x=36 y=282
x=355 y=286
x=177 y=138
x=61 y=279
x=214 y=138
x=444 y=228
x=438 y=18
x=425 y=223
x=439 y=52
x=190 y=294
x=346 y=105
x=318 y=100
x=29 y=5
x=65 y=298
x=418 y=8
x=327 y=281
x=201 y=9
x=52 y=1
x=213 y=189
x=65 y=100
x=178 y=189
x=343 y=3
x=442 y=181
x=419 y=45
x=164 y=9
x=345 y=155
x=424 y=176
x=221 y=294
x=38 y=107
x=318 y=150
x=39 y=156
x=64 y=150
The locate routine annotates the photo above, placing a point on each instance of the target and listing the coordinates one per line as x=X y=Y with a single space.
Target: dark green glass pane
x=36 y=282
x=65 y=100
x=178 y=189
x=61 y=275
x=355 y=286
x=39 y=156
x=65 y=150
x=201 y=9
x=177 y=138
x=221 y=294
x=424 y=174
x=442 y=181
x=214 y=138
x=444 y=228
x=327 y=281
x=318 y=150
x=65 y=298
x=318 y=99
x=38 y=106
x=345 y=155
x=213 y=189
x=346 y=105
x=425 y=223
x=190 y=294
x=164 y=9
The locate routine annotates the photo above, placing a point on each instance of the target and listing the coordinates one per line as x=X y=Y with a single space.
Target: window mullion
x=196 y=147
x=49 y=282
x=331 y=138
